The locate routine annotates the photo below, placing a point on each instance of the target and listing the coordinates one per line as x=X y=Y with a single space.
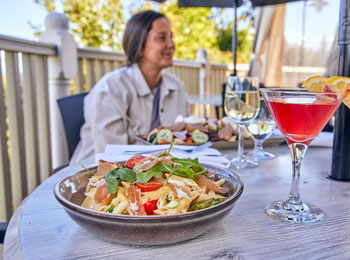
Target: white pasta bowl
x=144 y=230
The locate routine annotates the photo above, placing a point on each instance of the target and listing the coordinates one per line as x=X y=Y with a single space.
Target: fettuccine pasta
x=155 y=185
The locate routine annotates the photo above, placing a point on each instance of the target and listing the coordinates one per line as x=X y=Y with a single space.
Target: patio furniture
x=3 y=227
x=72 y=111
x=246 y=233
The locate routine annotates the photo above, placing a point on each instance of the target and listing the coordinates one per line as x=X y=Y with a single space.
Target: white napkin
x=114 y=153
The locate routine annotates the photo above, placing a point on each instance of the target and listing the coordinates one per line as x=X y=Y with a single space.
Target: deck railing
x=28 y=93
x=25 y=150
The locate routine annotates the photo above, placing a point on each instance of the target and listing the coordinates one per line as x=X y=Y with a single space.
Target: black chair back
x=72 y=111
x=3 y=227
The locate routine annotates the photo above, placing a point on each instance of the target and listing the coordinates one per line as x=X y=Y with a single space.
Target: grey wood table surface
x=40 y=228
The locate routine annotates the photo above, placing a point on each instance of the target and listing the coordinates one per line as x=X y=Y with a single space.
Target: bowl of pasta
x=149 y=200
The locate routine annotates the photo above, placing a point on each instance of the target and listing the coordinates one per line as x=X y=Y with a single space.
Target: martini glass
x=300 y=115
x=242 y=105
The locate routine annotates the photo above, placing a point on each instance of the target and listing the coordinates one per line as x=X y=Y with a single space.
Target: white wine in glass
x=242 y=103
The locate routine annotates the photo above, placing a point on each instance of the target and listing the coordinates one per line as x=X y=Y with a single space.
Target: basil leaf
x=126 y=174
x=192 y=163
x=147 y=175
x=111 y=178
x=185 y=172
x=156 y=171
x=163 y=167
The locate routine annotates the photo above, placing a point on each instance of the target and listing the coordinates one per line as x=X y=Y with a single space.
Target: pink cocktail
x=300 y=115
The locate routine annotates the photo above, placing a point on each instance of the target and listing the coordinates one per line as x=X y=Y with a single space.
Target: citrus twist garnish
x=315 y=83
x=341 y=86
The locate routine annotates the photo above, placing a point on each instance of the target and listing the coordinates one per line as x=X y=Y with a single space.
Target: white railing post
x=62 y=68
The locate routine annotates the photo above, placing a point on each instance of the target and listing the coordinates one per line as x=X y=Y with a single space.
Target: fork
x=186 y=150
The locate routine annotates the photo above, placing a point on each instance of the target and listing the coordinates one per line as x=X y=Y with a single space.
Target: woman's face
x=159 y=47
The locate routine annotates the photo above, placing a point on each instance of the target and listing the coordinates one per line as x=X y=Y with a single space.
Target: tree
x=194 y=29
x=101 y=23
x=94 y=23
x=244 y=35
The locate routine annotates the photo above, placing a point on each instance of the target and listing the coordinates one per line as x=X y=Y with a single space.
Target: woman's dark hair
x=136 y=32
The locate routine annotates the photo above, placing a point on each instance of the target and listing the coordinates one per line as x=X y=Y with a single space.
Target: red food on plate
x=150 y=206
x=133 y=160
x=226 y=132
x=149 y=186
x=177 y=127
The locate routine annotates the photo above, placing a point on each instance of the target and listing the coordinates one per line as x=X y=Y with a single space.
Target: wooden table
x=40 y=228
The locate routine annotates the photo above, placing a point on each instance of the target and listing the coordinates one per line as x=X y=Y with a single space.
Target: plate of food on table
x=149 y=200
x=193 y=130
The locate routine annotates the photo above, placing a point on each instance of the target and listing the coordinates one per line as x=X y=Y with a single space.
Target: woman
x=134 y=99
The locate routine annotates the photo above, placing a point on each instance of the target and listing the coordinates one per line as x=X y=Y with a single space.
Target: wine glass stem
x=258 y=147
x=297 y=151
x=240 y=141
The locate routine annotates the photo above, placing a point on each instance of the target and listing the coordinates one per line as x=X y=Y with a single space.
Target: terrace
x=34 y=74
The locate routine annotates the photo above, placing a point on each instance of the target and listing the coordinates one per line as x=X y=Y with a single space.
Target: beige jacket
x=119 y=107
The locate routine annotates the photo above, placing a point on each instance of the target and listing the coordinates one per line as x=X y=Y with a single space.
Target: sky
x=16 y=15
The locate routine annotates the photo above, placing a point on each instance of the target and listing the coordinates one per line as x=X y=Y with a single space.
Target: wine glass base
x=294 y=213
x=240 y=163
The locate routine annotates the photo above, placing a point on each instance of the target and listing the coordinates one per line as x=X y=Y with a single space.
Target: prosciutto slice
x=180 y=191
x=104 y=167
x=135 y=204
x=226 y=132
x=202 y=181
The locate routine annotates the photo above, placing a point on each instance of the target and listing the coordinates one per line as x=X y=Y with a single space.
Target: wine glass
x=260 y=129
x=300 y=116
x=242 y=105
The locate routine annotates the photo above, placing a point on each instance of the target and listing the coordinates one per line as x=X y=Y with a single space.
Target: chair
x=3 y=227
x=72 y=111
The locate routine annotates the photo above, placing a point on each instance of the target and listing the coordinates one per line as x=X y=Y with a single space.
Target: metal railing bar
x=4 y=158
x=90 y=74
x=31 y=120
x=42 y=100
x=16 y=127
x=79 y=78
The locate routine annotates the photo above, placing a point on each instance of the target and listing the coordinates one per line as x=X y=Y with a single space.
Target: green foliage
x=193 y=29
x=94 y=23
x=101 y=23
x=244 y=39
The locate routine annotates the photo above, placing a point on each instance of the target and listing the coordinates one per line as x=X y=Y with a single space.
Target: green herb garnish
x=187 y=168
x=88 y=170
x=112 y=177
x=110 y=209
x=171 y=147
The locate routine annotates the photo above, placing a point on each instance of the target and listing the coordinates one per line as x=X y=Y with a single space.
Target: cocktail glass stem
x=297 y=152
x=293 y=209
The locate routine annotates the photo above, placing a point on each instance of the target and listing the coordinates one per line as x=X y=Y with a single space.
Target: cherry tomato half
x=150 y=207
x=133 y=160
x=149 y=186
